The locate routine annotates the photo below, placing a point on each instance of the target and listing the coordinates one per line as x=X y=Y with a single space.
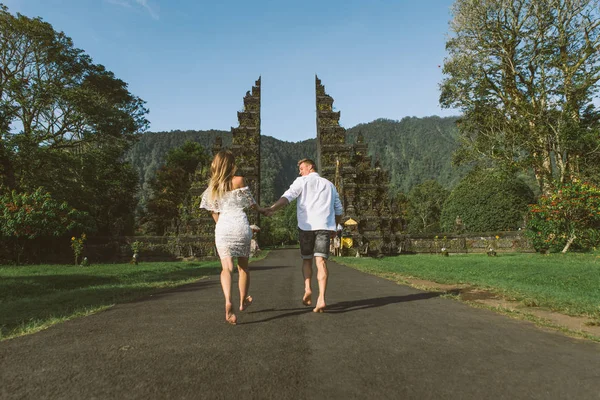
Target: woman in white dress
x=226 y=197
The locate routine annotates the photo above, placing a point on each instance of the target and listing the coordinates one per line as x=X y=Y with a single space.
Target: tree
x=524 y=73
x=487 y=200
x=425 y=207
x=170 y=198
x=107 y=191
x=55 y=98
x=62 y=115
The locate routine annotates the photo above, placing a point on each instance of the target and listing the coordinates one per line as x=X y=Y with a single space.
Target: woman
x=226 y=197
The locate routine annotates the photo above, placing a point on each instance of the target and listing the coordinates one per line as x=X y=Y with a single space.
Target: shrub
x=136 y=247
x=77 y=245
x=569 y=215
x=27 y=216
x=487 y=200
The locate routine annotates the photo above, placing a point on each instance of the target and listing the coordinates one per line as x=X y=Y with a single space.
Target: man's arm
x=292 y=193
x=282 y=202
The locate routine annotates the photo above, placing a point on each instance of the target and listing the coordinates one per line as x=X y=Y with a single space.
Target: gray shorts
x=314 y=243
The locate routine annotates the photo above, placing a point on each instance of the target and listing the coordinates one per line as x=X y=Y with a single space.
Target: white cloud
x=152 y=10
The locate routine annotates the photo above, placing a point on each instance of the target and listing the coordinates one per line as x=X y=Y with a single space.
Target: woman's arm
x=215 y=216
x=258 y=208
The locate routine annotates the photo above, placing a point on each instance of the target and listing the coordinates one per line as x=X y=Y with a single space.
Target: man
x=319 y=211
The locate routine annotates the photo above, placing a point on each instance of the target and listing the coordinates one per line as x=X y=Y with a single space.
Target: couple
x=319 y=211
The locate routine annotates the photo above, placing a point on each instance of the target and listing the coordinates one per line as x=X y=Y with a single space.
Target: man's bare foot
x=306 y=300
x=229 y=315
x=246 y=303
x=320 y=307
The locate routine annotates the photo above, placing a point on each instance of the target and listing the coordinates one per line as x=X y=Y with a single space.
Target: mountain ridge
x=413 y=150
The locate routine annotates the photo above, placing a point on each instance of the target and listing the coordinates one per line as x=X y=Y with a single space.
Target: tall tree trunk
x=572 y=237
x=547 y=170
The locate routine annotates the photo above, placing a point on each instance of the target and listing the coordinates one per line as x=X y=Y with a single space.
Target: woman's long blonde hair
x=222 y=171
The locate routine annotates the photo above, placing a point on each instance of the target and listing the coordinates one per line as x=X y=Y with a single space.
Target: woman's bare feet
x=229 y=315
x=306 y=300
x=247 y=302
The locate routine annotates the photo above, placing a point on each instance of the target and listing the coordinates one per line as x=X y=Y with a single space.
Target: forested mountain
x=278 y=165
x=278 y=158
x=414 y=150
x=149 y=152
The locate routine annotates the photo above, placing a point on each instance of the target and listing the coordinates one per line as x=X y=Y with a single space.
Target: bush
x=487 y=200
x=77 y=244
x=28 y=216
x=569 y=215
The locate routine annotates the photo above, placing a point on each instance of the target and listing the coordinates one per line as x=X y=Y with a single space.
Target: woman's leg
x=227 y=265
x=244 y=282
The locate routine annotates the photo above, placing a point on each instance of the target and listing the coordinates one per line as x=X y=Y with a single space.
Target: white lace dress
x=232 y=232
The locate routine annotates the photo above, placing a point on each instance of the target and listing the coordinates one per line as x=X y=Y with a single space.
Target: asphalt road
x=378 y=340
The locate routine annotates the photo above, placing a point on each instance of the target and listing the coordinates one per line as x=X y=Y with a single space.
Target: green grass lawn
x=568 y=283
x=33 y=297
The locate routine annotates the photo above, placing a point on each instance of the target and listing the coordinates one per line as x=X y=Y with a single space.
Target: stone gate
x=361 y=183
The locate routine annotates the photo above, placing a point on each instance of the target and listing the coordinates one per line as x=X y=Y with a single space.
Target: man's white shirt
x=318 y=202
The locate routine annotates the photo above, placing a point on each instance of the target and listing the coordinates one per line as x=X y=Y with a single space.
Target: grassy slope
x=568 y=283
x=35 y=297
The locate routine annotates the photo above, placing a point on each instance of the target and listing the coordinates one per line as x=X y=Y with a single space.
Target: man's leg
x=322 y=241
x=307 y=272
x=307 y=244
x=322 y=275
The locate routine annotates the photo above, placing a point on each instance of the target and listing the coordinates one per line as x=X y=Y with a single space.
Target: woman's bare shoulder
x=238 y=182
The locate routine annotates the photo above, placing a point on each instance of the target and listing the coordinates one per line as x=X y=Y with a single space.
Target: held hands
x=268 y=212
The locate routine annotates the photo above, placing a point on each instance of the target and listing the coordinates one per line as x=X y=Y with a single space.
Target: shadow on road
x=294 y=311
x=353 y=305
x=346 y=306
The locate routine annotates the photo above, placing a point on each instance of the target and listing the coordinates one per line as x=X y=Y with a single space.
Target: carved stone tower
x=246 y=148
x=246 y=145
x=363 y=188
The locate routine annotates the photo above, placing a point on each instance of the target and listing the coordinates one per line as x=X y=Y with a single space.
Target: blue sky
x=192 y=61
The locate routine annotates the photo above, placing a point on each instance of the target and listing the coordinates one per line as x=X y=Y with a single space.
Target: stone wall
x=174 y=248
x=500 y=242
x=153 y=248
x=171 y=248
